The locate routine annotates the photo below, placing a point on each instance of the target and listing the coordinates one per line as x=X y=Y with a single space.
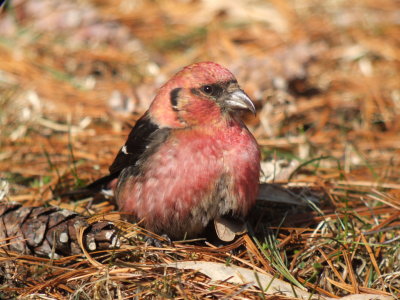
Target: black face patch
x=173 y=98
x=213 y=90
x=209 y=90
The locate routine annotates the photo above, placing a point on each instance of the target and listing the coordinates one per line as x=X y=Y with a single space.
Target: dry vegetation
x=325 y=78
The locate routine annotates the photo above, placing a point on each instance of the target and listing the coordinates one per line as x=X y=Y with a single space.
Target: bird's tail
x=104 y=186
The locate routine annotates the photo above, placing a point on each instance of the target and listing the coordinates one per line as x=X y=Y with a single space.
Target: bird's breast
x=195 y=176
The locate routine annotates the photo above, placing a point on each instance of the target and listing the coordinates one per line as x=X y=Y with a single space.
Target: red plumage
x=189 y=159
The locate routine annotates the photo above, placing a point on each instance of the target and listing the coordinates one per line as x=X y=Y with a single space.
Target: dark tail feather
x=92 y=189
x=102 y=183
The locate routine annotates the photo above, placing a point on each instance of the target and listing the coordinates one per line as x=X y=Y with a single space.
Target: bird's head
x=201 y=93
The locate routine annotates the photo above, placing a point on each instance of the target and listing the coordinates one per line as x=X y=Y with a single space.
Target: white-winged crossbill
x=189 y=159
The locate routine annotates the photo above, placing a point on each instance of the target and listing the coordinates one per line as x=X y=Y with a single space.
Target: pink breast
x=182 y=176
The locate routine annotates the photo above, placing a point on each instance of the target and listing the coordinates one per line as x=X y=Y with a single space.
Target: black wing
x=144 y=138
x=142 y=141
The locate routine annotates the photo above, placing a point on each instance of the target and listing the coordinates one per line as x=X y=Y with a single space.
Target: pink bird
x=189 y=159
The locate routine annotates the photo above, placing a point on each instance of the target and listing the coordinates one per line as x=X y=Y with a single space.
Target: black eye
x=208 y=89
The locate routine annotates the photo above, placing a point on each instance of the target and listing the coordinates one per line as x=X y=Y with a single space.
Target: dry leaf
x=227 y=229
x=238 y=275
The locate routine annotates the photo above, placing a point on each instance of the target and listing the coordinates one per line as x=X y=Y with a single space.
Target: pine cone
x=50 y=231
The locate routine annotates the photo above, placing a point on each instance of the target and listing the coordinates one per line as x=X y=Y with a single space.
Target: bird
x=189 y=159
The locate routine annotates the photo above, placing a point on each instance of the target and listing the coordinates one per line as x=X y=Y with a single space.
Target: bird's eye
x=208 y=89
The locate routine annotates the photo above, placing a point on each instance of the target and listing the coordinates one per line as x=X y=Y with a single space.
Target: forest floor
x=325 y=79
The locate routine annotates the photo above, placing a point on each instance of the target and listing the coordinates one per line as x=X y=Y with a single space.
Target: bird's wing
x=143 y=140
